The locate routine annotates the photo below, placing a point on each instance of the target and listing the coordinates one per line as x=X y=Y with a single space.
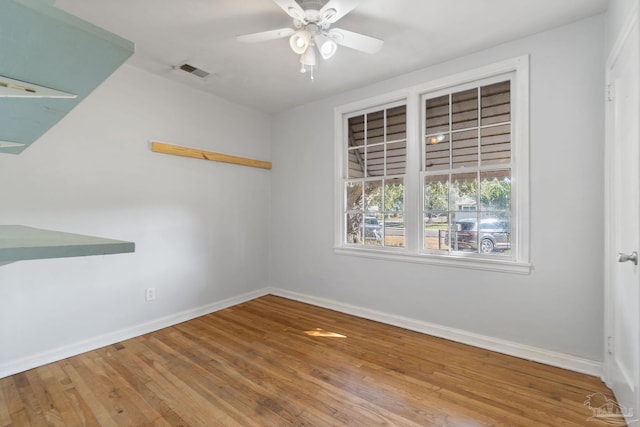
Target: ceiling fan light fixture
x=308 y=61
x=326 y=46
x=300 y=41
x=312 y=20
x=308 y=58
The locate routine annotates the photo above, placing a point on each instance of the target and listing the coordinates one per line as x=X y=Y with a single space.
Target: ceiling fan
x=312 y=21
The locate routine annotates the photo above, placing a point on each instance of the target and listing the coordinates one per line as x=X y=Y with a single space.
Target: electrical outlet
x=150 y=294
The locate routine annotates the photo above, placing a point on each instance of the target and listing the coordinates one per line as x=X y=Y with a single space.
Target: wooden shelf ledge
x=176 y=150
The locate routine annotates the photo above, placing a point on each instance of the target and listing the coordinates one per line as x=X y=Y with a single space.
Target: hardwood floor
x=254 y=365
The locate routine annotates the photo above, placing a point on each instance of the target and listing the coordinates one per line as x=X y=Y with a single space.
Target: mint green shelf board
x=18 y=242
x=46 y=46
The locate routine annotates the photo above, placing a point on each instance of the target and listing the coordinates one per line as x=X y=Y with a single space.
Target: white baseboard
x=535 y=354
x=552 y=358
x=20 y=365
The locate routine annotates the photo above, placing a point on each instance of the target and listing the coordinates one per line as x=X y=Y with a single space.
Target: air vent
x=193 y=70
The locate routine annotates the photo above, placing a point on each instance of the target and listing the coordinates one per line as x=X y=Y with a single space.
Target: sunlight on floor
x=317 y=332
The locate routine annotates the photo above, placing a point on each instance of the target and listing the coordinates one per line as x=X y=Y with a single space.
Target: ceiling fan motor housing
x=312 y=4
x=313 y=14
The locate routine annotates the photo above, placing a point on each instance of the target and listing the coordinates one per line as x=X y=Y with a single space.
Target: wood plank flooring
x=253 y=365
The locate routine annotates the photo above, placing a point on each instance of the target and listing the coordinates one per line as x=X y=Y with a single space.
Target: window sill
x=497 y=265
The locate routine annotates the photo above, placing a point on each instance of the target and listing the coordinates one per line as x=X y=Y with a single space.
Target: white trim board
x=510 y=348
x=56 y=354
x=547 y=357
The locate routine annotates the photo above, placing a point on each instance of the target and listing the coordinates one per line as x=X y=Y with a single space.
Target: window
x=467 y=169
x=374 y=188
x=438 y=173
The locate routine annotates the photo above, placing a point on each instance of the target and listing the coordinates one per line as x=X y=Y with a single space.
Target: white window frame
x=519 y=261
x=375 y=178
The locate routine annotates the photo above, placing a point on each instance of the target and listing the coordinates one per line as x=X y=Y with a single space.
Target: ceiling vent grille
x=193 y=70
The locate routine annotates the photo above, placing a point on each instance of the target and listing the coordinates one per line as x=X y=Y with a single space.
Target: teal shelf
x=45 y=46
x=18 y=243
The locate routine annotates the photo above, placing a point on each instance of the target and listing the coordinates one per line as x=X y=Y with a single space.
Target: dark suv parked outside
x=495 y=234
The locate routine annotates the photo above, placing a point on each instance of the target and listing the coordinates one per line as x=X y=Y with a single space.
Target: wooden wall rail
x=176 y=150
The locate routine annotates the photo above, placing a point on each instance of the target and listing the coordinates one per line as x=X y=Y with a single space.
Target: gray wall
x=559 y=305
x=200 y=227
x=204 y=230
x=618 y=12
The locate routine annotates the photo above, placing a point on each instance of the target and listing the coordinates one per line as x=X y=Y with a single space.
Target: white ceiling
x=266 y=76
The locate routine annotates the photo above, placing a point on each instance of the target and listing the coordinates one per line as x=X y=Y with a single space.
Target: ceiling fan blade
x=292 y=8
x=266 y=35
x=355 y=40
x=336 y=9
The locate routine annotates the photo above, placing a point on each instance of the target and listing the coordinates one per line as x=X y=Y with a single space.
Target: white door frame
x=610 y=250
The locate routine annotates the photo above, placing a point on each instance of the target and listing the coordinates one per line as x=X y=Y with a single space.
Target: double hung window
x=467 y=169
x=439 y=173
x=377 y=163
